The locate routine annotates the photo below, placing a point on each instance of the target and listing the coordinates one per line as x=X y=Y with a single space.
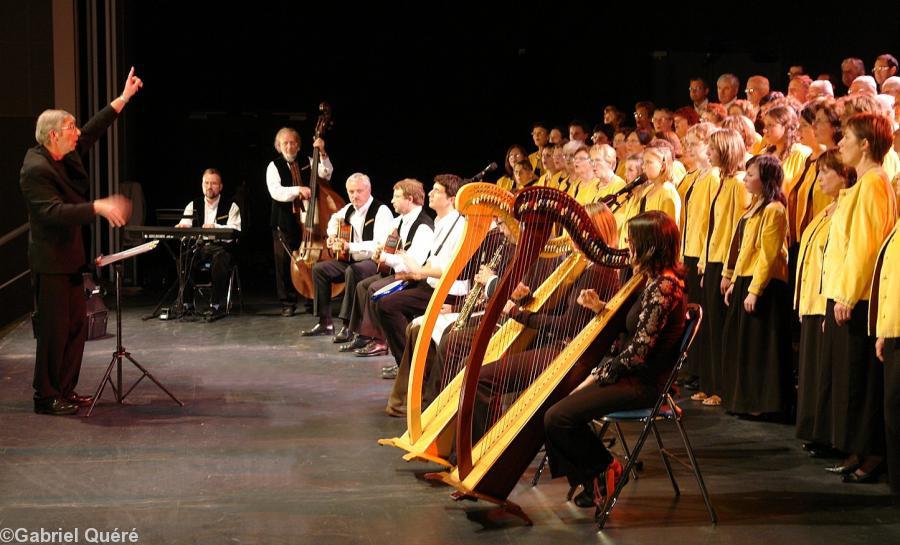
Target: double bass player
x=290 y=194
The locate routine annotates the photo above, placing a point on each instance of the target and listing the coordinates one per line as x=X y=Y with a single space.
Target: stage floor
x=276 y=444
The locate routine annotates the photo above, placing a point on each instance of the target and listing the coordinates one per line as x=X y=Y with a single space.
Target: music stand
x=116 y=261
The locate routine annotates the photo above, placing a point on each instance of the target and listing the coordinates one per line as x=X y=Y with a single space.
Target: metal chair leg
x=540 y=470
x=665 y=457
x=690 y=452
x=636 y=465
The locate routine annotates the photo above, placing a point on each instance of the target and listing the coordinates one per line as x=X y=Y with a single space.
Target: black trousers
x=326 y=273
x=360 y=315
x=393 y=313
x=220 y=261
x=573 y=449
x=892 y=410
x=61 y=332
x=284 y=286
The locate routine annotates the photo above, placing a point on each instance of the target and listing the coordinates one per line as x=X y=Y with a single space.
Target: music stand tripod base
x=120 y=353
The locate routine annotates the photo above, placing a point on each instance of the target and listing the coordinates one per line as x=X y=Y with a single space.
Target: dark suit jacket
x=56 y=194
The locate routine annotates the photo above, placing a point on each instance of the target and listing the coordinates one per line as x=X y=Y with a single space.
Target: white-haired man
x=55 y=184
x=820 y=88
x=727 y=87
x=289 y=190
x=371 y=222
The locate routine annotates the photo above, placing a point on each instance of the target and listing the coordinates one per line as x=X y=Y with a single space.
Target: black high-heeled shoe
x=864 y=478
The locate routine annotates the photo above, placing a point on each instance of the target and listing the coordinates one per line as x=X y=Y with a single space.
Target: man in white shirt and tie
x=370 y=221
x=212 y=212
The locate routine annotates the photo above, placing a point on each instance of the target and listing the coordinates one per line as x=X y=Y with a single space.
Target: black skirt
x=756 y=350
x=814 y=391
x=696 y=355
x=892 y=410
x=714 y=309
x=857 y=383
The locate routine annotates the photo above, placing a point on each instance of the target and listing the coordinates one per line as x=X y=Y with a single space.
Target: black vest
x=421 y=219
x=369 y=225
x=222 y=210
x=282 y=212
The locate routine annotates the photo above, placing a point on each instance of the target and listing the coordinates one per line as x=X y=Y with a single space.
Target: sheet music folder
x=104 y=260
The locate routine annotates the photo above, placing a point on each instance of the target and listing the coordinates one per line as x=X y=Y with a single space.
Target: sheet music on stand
x=104 y=260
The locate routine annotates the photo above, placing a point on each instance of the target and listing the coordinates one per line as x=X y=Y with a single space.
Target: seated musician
x=392 y=313
x=556 y=327
x=633 y=377
x=415 y=230
x=213 y=211
x=369 y=220
x=496 y=251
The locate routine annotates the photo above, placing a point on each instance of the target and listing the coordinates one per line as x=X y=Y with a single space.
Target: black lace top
x=654 y=327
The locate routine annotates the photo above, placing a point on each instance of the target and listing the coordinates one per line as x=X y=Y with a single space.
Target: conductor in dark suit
x=55 y=184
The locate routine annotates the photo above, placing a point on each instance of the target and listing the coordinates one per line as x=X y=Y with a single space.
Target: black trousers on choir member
x=711 y=374
x=573 y=449
x=814 y=388
x=857 y=383
x=361 y=314
x=697 y=355
x=892 y=410
x=393 y=312
x=756 y=350
x=61 y=332
x=284 y=286
x=326 y=273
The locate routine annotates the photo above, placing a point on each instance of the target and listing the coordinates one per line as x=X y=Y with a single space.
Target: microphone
x=480 y=176
x=627 y=190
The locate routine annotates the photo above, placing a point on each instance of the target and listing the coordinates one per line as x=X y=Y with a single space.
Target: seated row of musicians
x=212 y=211
x=426 y=247
x=412 y=236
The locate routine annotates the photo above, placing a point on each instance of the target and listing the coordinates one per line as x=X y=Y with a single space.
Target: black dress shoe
x=863 y=478
x=591 y=490
x=343 y=335
x=319 y=330
x=842 y=469
x=81 y=401
x=374 y=348
x=288 y=311
x=358 y=342
x=54 y=407
x=214 y=313
x=390 y=372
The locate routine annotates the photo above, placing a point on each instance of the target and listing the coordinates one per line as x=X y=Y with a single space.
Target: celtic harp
x=497 y=438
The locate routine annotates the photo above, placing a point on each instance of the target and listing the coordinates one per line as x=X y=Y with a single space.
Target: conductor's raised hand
x=115 y=208
x=132 y=85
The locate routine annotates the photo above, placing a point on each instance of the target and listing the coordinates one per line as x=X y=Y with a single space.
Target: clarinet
x=476 y=291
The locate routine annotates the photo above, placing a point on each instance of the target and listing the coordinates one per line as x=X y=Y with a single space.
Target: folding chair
x=672 y=412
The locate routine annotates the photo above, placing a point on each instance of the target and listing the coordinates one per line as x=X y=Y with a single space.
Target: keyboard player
x=217 y=212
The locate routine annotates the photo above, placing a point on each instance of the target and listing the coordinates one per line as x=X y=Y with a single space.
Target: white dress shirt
x=209 y=215
x=448 y=235
x=289 y=193
x=363 y=249
x=421 y=243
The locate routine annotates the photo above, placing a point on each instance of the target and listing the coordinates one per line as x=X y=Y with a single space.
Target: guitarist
x=414 y=230
x=370 y=220
x=289 y=190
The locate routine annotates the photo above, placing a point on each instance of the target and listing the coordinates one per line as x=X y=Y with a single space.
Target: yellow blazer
x=762 y=251
x=695 y=211
x=678 y=172
x=620 y=168
x=729 y=204
x=808 y=299
x=665 y=199
x=759 y=146
x=507 y=183
x=891 y=163
x=810 y=200
x=536 y=163
x=884 y=303
x=864 y=216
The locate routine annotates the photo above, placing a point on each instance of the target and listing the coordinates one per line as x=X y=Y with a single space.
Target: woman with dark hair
x=814 y=384
x=863 y=218
x=514 y=154
x=820 y=130
x=633 y=377
x=756 y=340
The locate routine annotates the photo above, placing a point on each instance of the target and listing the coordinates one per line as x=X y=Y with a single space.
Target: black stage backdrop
x=423 y=88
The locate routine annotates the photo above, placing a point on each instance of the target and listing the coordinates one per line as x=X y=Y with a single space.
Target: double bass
x=323 y=203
